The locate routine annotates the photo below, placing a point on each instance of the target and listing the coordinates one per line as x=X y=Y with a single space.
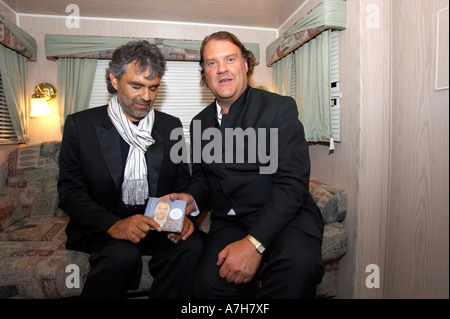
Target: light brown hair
x=247 y=55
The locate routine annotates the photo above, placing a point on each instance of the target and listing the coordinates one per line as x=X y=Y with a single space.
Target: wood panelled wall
x=394 y=158
x=417 y=262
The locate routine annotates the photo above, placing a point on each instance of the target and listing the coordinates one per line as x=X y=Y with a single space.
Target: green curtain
x=13 y=67
x=75 y=80
x=80 y=46
x=282 y=71
x=21 y=41
x=61 y=45
x=313 y=86
x=330 y=14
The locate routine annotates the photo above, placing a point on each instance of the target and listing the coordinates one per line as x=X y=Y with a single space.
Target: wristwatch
x=259 y=247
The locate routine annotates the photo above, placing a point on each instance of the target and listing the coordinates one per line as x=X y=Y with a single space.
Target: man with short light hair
x=266 y=232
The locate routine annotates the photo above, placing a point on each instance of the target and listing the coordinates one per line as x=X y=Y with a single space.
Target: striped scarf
x=135 y=184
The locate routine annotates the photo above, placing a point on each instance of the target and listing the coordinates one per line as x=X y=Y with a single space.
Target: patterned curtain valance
x=99 y=47
x=327 y=15
x=16 y=39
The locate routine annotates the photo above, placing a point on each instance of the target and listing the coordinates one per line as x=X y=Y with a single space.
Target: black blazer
x=91 y=169
x=264 y=203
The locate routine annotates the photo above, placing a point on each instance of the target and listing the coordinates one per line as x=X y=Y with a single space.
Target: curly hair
x=247 y=55
x=146 y=55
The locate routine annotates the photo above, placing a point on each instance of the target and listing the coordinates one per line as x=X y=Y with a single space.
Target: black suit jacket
x=91 y=169
x=265 y=203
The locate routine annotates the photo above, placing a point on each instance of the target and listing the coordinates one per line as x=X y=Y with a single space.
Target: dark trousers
x=291 y=267
x=116 y=265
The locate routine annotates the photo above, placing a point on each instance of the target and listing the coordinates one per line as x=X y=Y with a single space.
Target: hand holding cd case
x=169 y=214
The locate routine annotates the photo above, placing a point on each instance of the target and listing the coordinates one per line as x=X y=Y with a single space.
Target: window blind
x=179 y=94
x=7 y=133
x=335 y=93
x=293 y=76
x=100 y=95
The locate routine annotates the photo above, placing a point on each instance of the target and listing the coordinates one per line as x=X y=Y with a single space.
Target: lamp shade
x=39 y=107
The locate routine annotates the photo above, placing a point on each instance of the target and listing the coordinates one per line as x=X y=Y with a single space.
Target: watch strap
x=258 y=245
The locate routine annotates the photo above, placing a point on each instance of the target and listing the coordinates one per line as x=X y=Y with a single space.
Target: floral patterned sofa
x=34 y=263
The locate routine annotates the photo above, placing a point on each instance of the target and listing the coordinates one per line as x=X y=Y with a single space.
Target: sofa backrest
x=32 y=176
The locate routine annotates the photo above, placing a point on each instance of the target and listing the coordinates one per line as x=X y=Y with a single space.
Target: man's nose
x=222 y=67
x=146 y=95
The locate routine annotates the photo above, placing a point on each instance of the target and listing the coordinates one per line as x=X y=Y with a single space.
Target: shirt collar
x=240 y=101
x=219 y=115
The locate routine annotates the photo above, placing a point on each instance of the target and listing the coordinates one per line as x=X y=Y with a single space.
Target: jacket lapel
x=154 y=157
x=109 y=141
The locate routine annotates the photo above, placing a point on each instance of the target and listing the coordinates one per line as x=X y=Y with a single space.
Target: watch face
x=260 y=249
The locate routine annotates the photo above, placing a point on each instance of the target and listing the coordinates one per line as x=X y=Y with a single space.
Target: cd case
x=169 y=214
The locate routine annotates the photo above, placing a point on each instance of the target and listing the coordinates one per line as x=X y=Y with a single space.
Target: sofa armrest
x=334 y=244
x=11 y=210
x=332 y=201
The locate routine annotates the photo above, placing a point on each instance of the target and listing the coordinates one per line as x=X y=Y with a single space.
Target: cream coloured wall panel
x=418 y=234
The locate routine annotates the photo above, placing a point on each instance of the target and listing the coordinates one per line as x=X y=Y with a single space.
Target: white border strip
x=147 y=21
x=437 y=53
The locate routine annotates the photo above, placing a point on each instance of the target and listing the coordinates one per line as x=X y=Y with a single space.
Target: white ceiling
x=249 y=13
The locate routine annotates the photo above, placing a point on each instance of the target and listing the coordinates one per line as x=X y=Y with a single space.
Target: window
x=100 y=95
x=335 y=93
x=180 y=93
x=7 y=133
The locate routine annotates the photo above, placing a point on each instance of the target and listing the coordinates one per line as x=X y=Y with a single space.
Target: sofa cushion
x=328 y=287
x=32 y=177
x=37 y=229
x=39 y=270
x=40 y=198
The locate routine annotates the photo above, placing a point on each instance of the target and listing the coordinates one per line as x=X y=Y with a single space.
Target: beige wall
x=394 y=157
x=7 y=13
x=417 y=262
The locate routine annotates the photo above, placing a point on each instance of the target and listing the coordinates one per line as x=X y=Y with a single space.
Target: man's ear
x=114 y=81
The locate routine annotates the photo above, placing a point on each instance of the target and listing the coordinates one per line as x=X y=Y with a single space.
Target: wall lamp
x=43 y=93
